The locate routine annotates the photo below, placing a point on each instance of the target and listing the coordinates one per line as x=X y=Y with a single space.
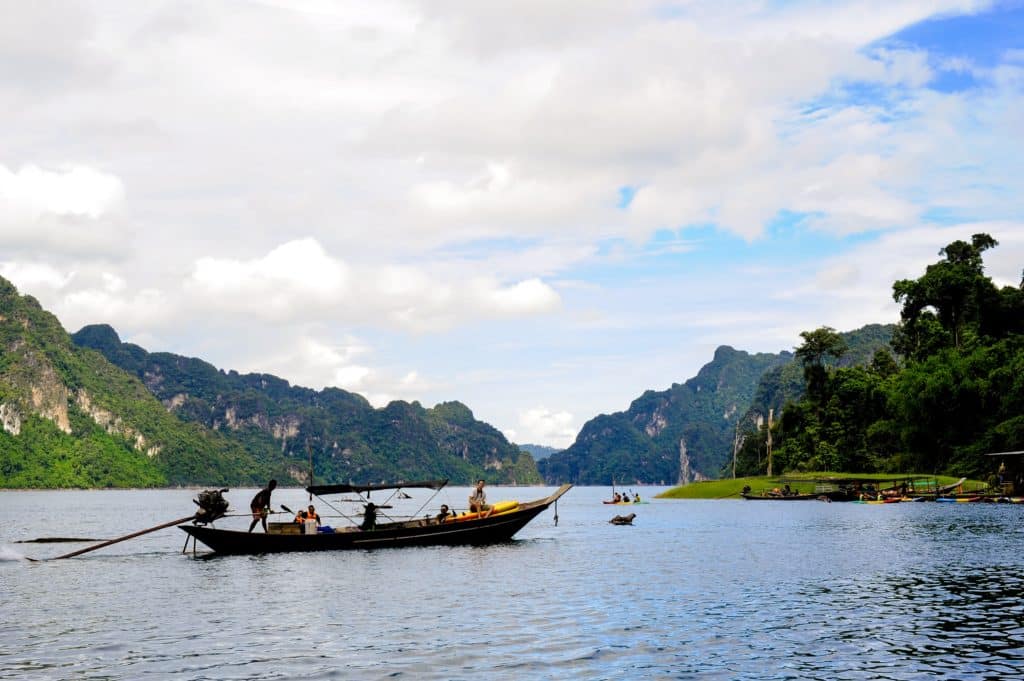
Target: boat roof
x=1005 y=453
x=344 y=488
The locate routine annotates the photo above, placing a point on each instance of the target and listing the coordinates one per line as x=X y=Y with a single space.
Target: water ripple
x=730 y=590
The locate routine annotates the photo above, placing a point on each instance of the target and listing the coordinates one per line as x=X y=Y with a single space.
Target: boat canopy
x=319 y=490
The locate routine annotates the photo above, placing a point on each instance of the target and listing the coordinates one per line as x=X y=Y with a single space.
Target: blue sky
x=540 y=209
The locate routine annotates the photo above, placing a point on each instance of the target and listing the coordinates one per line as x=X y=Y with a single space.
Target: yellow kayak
x=496 y=509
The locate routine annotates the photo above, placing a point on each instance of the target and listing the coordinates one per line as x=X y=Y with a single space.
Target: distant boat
x=779 y=497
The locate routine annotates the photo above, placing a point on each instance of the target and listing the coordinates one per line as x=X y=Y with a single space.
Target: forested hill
x=785 y=382
x=348 y=439
x=675 y=435
x=71 y=419
x=948 y=392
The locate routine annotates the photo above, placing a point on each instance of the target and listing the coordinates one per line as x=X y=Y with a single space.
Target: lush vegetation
x=347 y=439
x=950 y=389
x=75 y=420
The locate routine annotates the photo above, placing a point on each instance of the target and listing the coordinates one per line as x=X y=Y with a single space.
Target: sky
x=540 y=208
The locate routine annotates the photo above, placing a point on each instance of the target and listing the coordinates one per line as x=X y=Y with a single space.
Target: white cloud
x=33 y=276
x=300 y=279
x=400 y=169
x=317 y=363
x=143 y=308
x=543 y=426
x=315 y=359
x=68 y=209
x=75 y=190
x=280 y=284
x=524 y=297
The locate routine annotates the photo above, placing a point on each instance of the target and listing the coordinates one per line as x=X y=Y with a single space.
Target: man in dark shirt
x=260 y=505
x=369 y=516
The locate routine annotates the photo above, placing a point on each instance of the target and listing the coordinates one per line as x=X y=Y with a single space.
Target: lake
x=694 y=589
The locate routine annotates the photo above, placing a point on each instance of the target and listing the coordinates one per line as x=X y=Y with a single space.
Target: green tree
x=818 y=345
x=953 y=292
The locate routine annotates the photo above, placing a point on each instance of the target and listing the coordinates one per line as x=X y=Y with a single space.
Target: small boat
x=624 y=503
x=778 y=497
x=467 y=529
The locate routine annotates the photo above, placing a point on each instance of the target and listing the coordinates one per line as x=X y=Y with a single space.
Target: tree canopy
x=951 y=390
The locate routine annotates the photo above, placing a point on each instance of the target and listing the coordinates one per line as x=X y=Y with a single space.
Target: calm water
x=711 y=589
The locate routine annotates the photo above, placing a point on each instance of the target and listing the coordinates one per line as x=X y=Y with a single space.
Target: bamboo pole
x=120 y=539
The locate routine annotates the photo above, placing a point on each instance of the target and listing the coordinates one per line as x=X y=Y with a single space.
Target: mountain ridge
x=346 y=437
x=72 y=419
x=685 y=433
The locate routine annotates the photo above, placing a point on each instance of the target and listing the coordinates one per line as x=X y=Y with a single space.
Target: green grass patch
x=802 y=483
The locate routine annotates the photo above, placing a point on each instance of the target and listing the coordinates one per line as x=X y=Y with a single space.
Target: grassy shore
x=798 y=482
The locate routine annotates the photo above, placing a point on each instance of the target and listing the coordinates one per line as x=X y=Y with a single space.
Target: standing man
x=260 y=505
x=478 y=499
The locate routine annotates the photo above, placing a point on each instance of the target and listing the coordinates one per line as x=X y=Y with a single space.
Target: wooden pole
x=771 y=412
x=127 y=536
x=310 y=453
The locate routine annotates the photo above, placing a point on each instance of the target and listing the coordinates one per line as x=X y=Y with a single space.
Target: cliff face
x=673 y=436
x=685 y=433
x=71 y=419
x=345 y=436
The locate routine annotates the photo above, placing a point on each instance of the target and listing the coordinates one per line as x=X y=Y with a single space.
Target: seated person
x=478 y=499
x=444 y=514
x=300 y=517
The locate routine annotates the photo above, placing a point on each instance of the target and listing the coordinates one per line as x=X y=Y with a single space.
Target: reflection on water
x=726 y=589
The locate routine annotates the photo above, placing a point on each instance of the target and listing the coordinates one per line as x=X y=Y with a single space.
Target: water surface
x=695 y=589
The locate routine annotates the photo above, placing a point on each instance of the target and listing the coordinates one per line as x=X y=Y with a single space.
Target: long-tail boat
x=499 y=525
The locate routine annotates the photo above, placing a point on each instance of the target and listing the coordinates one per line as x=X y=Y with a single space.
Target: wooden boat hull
x=490 y=530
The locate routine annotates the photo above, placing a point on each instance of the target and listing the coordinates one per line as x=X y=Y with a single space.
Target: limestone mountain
x=347 y=438
x=72 y=419
x=686 y=433
x=671 y=436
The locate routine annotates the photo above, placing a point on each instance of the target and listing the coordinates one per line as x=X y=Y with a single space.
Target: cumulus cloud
x=543 y=425
x=68 y=209
x=421 y=166
x=317 y=359
x=34 y=276
x=76 y=190
x=284 y=282
x=300 y=279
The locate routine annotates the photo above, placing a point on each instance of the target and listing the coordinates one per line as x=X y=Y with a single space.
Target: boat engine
x=212 y=505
